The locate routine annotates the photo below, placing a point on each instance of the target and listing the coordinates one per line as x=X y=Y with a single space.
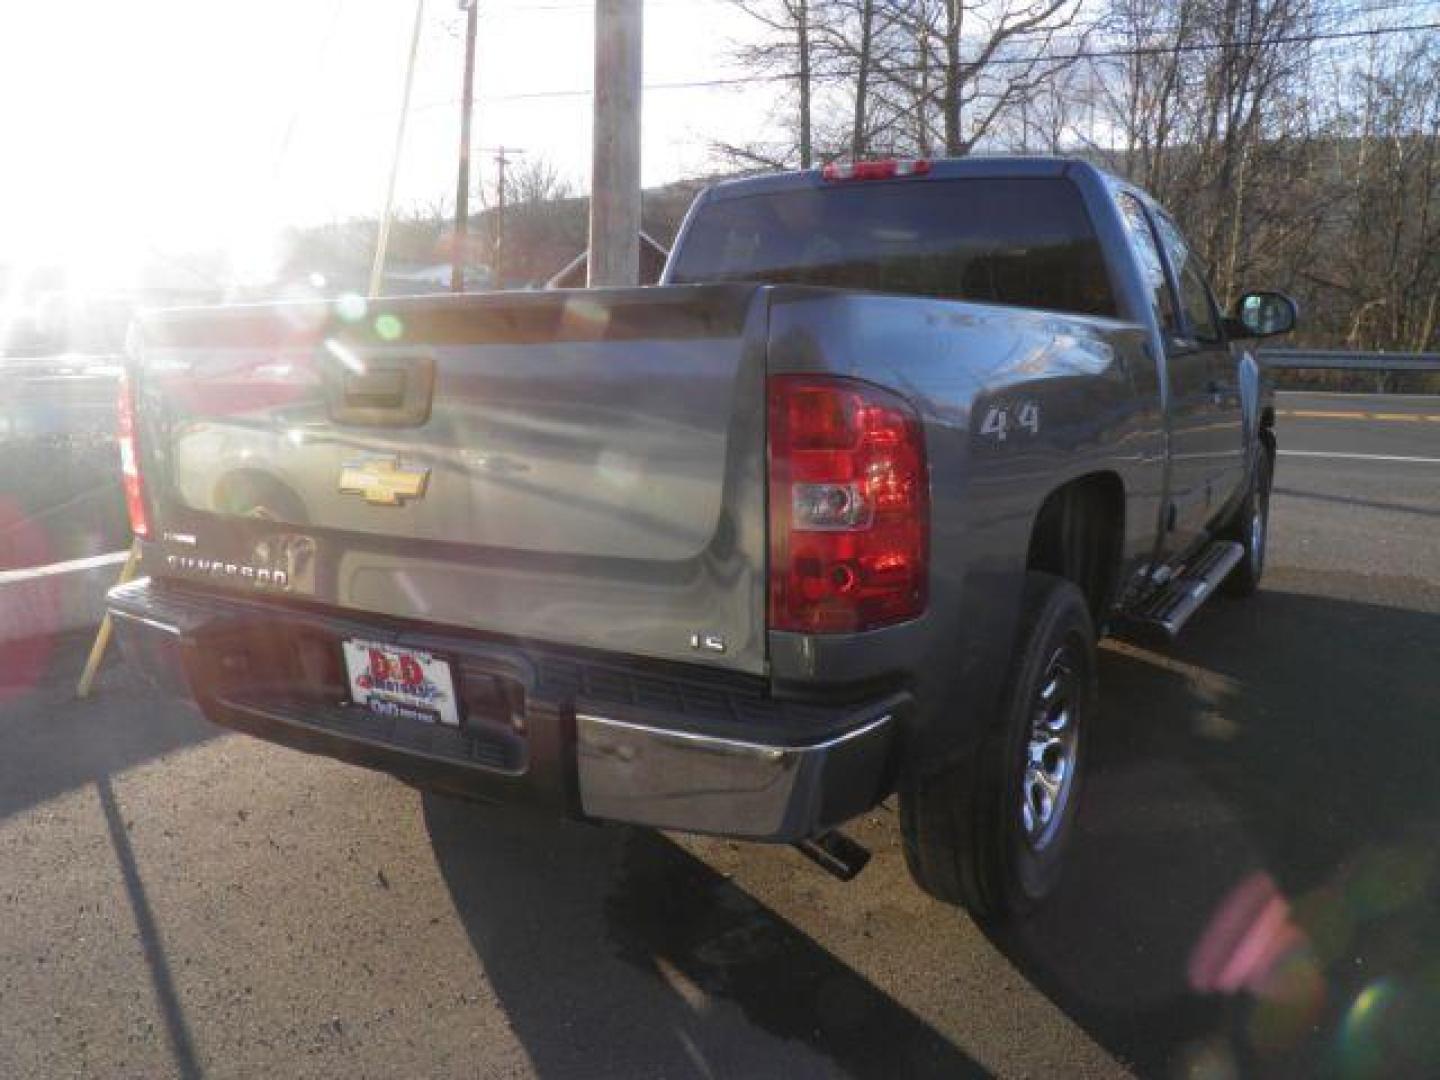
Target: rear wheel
x=1250 y=528
x=991 y=834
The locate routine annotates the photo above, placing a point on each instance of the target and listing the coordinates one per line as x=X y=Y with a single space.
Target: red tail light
x=131 y=480
x=888 y=169
x=849 y=506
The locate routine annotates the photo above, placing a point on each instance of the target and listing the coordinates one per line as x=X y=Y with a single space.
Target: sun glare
x=178 y=141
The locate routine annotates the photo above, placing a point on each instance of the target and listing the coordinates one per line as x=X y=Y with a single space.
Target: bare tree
x=1388 y=268
x=1142 y=86
x=971 y=64
x=1287 y=155
x=787 y=50
x=537 y=180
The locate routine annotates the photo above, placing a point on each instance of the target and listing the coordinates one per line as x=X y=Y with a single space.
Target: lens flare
x=389 y=327
x=1290 y=1003
x=351 y=307
x=306 y=313
x=1250 y=931
x=1369 y=1028
x=345 y=356
x=1254 y=946
x=586 y=317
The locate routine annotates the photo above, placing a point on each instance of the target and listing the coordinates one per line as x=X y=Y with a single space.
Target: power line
x=1336 y=15
x=1342 y=14
x=316 y=68
x=1034 y=58
x=588 y=6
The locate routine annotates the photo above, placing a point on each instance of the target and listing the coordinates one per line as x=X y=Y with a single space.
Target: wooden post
x=615 y=155
x=102 y=639
x=382 y=241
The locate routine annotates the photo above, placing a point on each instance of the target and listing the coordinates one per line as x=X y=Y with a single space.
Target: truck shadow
x=55 y=743
x=1255 y=885
x=614 y=952
x=1255 y=890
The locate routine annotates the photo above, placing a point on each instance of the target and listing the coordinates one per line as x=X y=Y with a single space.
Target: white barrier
x=44 y=600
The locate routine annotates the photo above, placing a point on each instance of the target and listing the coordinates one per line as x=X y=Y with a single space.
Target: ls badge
x=383 y=481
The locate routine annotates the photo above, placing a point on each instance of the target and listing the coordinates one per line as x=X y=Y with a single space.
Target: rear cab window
x=1027 y=242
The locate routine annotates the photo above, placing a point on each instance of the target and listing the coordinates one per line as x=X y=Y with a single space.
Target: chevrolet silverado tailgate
x=583 y=468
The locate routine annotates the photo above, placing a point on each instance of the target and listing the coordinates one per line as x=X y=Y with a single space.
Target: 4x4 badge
x=382 y=481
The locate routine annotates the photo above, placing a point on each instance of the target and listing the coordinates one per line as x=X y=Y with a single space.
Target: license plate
x=408 y=683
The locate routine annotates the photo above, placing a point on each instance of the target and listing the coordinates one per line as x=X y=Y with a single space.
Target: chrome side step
x=1165 y=612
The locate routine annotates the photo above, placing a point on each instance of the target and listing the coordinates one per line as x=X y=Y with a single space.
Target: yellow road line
x=1335 y=414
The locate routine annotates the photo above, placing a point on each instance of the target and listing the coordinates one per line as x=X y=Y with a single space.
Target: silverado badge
x=382 y=481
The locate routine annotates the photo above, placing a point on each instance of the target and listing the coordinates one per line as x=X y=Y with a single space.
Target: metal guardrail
x=1349 y=360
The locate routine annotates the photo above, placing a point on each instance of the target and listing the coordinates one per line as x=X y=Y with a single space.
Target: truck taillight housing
x=849 y=506
x=885 y=169
x=130 y=478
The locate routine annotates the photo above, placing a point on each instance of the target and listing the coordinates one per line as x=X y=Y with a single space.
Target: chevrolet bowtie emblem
x=382 y=481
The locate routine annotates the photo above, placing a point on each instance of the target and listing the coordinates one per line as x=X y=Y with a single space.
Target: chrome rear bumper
x=773 y=771
x=699 y=783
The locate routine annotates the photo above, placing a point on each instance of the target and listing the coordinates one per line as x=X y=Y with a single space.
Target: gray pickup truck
x=837 y=511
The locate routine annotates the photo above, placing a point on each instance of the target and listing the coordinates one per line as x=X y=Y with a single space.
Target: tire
x=1251 y=530
x=968 y=838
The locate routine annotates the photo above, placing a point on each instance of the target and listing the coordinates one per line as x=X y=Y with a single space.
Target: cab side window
x=1199 y=309
x=1142 y=240
x=1195 y=297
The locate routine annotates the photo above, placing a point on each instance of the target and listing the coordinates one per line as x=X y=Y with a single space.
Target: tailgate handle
x=375 y=389
x=388 y=392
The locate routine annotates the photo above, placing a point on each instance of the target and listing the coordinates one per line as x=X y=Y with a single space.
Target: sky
x=135 y=126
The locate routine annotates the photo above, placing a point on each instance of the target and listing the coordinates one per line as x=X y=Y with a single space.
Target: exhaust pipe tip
x=836 y=854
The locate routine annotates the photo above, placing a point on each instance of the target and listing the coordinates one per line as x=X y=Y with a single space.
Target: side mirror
x=1263 y=314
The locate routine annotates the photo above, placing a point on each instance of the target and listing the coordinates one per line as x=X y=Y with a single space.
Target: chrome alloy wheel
x=1051 y=757
x=1257 y=534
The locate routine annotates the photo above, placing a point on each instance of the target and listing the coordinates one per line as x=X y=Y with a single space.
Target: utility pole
x=615 y=156
x=503 y=154
x=462 y=183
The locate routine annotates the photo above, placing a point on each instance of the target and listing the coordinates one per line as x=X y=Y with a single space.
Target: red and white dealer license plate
x=393 y=681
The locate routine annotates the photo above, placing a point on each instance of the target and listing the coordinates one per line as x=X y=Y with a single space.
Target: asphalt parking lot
x=1256 y=888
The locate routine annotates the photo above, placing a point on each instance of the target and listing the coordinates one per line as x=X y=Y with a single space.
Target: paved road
x=1358 y=484
x=1361 y=424
x=1260 y=823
